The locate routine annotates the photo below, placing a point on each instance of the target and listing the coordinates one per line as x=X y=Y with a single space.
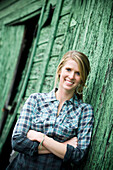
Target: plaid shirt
x=40 y=113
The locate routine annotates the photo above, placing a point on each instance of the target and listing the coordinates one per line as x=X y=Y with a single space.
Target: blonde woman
x=54 y=129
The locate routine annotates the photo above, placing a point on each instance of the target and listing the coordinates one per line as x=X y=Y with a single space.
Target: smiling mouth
x=69 y=82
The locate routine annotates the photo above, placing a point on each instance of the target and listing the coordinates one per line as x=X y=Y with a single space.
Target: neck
x=63 y=95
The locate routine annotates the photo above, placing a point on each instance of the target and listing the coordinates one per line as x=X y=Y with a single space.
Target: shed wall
x=81 y=25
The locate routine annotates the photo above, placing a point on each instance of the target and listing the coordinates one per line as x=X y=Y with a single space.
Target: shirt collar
x=51 y=97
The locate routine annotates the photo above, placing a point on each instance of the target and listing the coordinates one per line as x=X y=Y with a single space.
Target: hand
x=73 y=141
x=34 y=135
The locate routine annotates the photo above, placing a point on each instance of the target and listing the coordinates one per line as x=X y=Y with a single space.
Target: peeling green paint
x=82 y=25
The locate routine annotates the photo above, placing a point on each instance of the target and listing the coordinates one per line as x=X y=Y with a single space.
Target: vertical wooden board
x=37 y=58
x=102 y=50
x=10 y=51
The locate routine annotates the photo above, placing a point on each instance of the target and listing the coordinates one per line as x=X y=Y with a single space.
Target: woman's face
x=69 y=76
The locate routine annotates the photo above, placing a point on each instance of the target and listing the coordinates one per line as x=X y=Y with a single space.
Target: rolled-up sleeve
x=84 y=132
x=20 y=142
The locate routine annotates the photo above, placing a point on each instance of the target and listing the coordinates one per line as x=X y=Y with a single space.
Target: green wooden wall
x=9 y=51
x=75 y=24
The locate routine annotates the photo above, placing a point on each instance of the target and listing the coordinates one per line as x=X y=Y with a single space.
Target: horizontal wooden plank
x=44 y=35
x=66 y=7
x=22 y=9
x=5 y=4
x=58 y=44
x=62 y=25
x=40 y=52
x=53 y=65
x=36 y=70
x=48 y=84
x=31 y=87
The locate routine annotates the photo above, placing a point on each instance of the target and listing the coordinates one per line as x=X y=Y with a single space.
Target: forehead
x=72 y=64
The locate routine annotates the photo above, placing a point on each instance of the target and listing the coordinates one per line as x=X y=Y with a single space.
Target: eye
x=68 y=69
x=77 y=73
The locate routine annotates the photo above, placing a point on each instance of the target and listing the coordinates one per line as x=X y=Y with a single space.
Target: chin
x=69 y=89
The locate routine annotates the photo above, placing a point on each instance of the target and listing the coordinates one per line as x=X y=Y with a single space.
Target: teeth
x=69 y=82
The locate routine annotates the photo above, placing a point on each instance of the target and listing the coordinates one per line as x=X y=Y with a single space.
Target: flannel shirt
x=40 y=113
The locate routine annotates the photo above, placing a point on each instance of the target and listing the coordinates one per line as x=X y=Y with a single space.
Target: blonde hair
x=83 y=64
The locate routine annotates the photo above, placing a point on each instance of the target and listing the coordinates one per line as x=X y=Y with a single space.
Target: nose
x=71 y=75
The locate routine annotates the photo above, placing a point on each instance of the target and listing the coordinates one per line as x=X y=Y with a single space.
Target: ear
x=59 y=74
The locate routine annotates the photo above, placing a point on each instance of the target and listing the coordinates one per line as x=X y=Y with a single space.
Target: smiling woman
x=69 y=76
x=78 y=64
x=54 y=129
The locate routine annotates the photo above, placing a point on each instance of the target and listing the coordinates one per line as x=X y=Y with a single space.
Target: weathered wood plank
x=35 y=72
x=23 y=9
x=40 y=52
x=5 y=4
x=31 y=88
x=8 y=58
x=62 y=25
x=44 y=35
x=47 y=85
x=58 y=44
x=66 y=8
x=53 y=65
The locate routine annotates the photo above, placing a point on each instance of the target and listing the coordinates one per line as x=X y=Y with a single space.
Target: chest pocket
x=41 y=122
x=37 y=123
x=67 y=129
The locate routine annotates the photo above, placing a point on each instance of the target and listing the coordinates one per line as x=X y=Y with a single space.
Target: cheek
x=78 y=79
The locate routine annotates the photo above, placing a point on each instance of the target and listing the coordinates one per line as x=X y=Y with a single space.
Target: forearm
x=74 y=155
x=50 y=145
x=22 y=144
x=57 y=148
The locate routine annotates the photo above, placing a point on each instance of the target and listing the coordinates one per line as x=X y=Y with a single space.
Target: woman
x=54 y=129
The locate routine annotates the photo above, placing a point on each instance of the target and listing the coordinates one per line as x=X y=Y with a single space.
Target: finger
x=76 y=139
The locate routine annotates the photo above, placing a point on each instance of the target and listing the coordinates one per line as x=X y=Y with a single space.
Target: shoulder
x=36 y=98
x=87 y=113
x=86 y=108
x=84 y=105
